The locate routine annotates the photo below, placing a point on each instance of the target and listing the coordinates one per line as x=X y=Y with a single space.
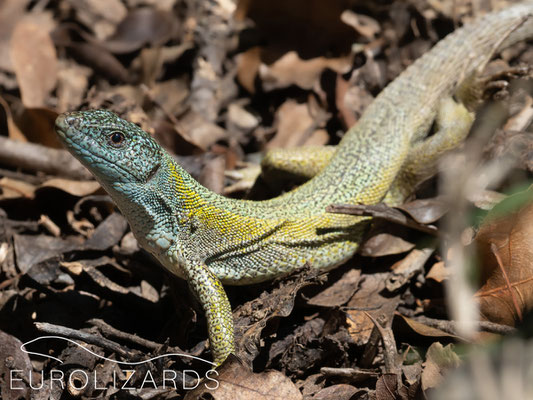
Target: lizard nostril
x=65 y=121
x=72 y=121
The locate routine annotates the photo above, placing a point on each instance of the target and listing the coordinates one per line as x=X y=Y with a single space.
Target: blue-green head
x=116 y=151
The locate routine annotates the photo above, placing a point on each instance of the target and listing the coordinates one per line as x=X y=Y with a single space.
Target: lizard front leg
x=210 y=293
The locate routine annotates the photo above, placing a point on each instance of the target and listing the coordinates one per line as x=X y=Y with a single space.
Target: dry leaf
x=14 y=189
x=292 y=70
x=10 y=13
x=505 y=249
x=339 y=292
x=35 y=62
x=295 y=127
x=426 y=211
x=236 y=381
x=438 y=272
x=141 y=26
x=423 y=329
x=385 y=244
x=438 y=360
x=75 y=188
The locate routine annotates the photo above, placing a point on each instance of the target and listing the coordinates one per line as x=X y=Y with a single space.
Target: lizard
x=211 y=240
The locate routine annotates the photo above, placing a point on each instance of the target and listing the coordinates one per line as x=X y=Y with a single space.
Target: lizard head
x=114 y=150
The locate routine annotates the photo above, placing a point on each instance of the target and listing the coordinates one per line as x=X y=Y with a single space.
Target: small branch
x=451 y=326
x=108 y=330
x=35 y=157
x=86 y=337
x=383 y=212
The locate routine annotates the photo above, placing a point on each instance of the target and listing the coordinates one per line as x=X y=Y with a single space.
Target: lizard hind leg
x=452 y=124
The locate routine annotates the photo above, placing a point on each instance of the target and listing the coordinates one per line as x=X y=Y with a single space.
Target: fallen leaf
x=425 y=330
x=35 y=62
x=15 y=360
x=505 y=250
x=75 y=188
x=369 y=297
x=387 y=387
x=292 y=70
x=438 y=272
x=33 y=249
x=236 y=381
x=199 y=131
x=142 y=26
x=340 y=391
x=438 y=360
x=14 y=189
x=339 y=292
x=248 y=64
x=426 y=211
x=384 y=244
x=37 y=126
x=295 y=127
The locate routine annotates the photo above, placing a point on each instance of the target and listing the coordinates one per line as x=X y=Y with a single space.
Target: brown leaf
x=369 y=297
x=236 y=382
x=363 y=24
x=100 y=59
x=248 y=64
x=199 y=131
x=73 y=80
x=101 y=16
x=35 y=62
x=338 y=293
x=15 y=359
x=438 y=272
x=438 y=360
x=10 y=13
x=292 y=70
x=505 y=249
x=384 y=244
x=387 y=387
x=33 y=249
x=75 y=188
x=423 y=329
x=141 y=26
x=426 y=211
x=295 y=127
x=14 y=189
x=108 y=233
x=340 y=391
x=37 y=126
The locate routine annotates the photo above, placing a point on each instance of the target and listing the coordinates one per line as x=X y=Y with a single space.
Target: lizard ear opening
x=153 y=172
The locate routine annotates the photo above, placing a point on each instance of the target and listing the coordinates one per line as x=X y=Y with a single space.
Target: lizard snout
x=66 y=121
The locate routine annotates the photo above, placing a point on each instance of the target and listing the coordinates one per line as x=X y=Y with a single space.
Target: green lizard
x=210 y=240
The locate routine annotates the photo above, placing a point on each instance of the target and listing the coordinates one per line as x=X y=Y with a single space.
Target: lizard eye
x=116 y=139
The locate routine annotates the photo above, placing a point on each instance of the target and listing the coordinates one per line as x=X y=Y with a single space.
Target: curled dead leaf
x=505 y=250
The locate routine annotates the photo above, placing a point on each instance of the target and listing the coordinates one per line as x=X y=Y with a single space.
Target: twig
x=381 y=211
x=108 y=330
x=86 y=337
x=35 y=157
x=390 y=353
x=451 y=326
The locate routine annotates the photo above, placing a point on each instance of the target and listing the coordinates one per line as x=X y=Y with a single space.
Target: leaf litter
x=218 y=83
